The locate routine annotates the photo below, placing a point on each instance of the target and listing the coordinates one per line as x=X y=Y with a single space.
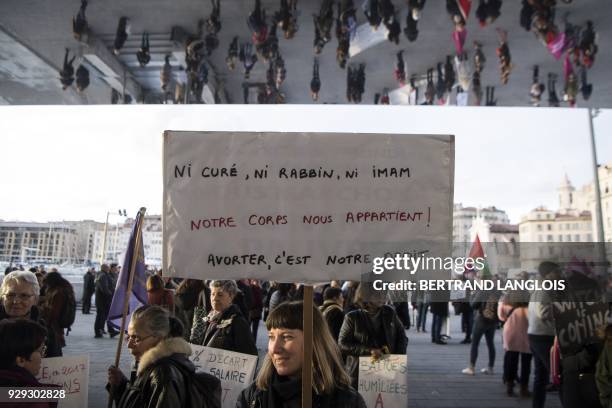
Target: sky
x=80 y=162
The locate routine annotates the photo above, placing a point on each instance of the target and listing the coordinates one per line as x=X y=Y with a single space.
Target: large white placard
x=384 y=383
x=302 y=206
x=72 y=374
x=235 y=370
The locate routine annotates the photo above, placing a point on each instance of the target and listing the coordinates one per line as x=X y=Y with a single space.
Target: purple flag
x=138 y=297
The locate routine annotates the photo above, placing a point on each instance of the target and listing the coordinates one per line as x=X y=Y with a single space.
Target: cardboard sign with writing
x=72 y=374
x=304 y=207
x=384 y=383
x=235 y=370
x=578 y=324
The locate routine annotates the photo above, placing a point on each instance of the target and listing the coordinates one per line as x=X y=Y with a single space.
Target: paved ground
x=435 y=378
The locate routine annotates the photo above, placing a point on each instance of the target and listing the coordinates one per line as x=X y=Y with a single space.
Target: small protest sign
x=72 y=374
x=383 y=383
x=235 y=370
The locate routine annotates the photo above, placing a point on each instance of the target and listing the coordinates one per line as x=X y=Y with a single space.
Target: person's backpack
x=203 y=389
x=489 y=310
x=209 y=387
x=68 y=314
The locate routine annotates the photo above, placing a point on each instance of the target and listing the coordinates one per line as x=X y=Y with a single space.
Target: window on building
x=549 y=238
x=560 y=238
x=577 y=237
x=539 y=227
x=569 y=238
x=549 y=227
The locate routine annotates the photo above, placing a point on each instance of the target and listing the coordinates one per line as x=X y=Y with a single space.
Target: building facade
x=117 y=238
x=38 y=243
x=585 y=201
x=463 y=220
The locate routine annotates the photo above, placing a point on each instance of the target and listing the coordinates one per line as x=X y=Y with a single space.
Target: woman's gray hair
x=155 y=319
x=18 y=277
x=228 y=286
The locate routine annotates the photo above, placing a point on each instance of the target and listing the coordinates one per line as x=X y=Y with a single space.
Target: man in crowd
x=332 y=310
x=89 y=287
x=105 y=288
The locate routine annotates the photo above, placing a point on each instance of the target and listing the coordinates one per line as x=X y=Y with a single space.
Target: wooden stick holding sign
x=126 y=304
x=307 y=364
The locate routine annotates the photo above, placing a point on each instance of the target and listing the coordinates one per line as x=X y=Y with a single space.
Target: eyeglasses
x=136 y=339
x=22 y=297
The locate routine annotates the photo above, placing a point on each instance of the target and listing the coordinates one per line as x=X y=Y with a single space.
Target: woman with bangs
x=23 y=348
x=278 y=383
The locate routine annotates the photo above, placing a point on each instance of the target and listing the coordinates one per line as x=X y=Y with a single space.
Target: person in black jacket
x=82 y=78
x=315 y=82
x=225 y=327
x=123 y=29
x=332 y=310
x=439 y=311
x=164 y=375
x=67 y=72
x=144 y=52
x=278 y=383
x=105 y=289
x=89 y=287
x=20 y=292
x=372 y=330
x=79 y=22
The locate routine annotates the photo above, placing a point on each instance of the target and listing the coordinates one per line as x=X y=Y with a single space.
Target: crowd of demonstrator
x=350 y=320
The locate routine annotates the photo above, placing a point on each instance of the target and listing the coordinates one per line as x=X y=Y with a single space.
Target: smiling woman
x=278 y=383
x=20 y=292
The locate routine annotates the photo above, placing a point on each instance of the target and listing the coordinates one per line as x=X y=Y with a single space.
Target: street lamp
x=122 y=213
x=598 y=212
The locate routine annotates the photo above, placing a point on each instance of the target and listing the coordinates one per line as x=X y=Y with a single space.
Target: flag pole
x=126 y=303
x=307 y=365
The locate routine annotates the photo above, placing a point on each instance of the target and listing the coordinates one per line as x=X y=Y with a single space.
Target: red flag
x=478 y=252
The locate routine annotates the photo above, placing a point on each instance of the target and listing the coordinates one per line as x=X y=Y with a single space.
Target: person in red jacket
x=158 y=295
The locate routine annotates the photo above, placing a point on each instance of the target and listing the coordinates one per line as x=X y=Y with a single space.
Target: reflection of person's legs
x=66 y=60
x=81 y=14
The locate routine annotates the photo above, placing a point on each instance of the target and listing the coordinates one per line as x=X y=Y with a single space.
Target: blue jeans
x=436 y=327
x=422 y=315
x=540 y=348
x=486 y=328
